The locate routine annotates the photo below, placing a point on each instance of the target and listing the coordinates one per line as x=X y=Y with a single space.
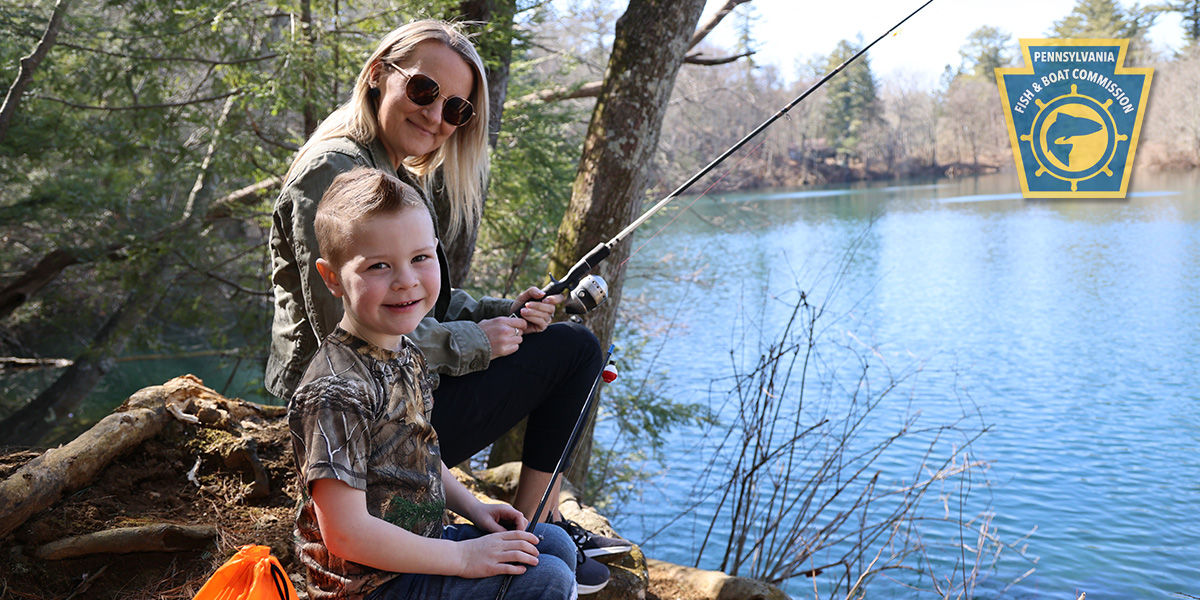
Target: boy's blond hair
x=353 y=196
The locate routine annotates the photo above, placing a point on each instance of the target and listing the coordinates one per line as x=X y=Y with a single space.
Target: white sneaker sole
x=589 y=589
x=594 y=552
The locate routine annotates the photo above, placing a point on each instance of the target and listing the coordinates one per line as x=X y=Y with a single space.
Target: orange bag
x=252 y=574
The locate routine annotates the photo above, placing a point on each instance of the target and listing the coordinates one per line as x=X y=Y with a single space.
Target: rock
x=630 y=578
x=502 y=480
x=676 y=582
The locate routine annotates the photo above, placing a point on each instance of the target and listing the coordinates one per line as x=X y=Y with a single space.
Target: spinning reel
x=590 y=292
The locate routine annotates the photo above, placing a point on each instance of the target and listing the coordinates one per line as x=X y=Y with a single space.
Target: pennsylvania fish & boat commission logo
x=1074 y=113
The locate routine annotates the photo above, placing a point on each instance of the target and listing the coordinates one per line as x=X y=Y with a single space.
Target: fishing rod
x=589 y=291
x=607 y=374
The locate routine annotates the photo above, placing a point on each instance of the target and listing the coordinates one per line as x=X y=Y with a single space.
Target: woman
x=419 y=108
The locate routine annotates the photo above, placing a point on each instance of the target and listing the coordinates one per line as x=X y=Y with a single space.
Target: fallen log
x=160 y=537
x=43 y=480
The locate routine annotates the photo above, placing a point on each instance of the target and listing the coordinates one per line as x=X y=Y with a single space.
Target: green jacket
x=305 y=311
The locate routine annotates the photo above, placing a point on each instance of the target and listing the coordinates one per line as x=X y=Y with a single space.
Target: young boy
x=375 y=487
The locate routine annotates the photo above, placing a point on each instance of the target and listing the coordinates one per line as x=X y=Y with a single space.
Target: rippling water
x=1072 y=325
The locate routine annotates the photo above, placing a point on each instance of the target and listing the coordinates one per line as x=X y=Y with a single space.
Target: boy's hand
x=503 y=553
x=496 y=517
x=538 y=309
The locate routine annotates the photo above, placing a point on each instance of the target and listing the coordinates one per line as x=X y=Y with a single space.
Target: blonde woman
x=418 y=110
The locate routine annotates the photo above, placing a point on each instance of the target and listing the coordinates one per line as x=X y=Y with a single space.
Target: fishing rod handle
x=575 y=275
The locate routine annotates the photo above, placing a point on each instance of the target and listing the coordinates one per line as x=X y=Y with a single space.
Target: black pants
x=546 y=379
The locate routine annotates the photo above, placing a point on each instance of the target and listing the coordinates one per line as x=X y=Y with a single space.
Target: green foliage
x=850 y=100
x=1102 y=19
x=637 y=414
x=1189 y=10
x=142 y=117
x=533 y=165
x=985 y=51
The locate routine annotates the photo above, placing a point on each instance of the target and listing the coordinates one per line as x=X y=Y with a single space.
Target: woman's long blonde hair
x=463 y=157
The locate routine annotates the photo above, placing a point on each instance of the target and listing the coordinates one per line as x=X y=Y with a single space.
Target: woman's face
x=406 y=128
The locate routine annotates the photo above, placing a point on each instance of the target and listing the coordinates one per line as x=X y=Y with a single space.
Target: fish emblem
x=1063 y=129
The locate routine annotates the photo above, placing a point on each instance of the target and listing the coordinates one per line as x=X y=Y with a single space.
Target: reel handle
x=574 y=275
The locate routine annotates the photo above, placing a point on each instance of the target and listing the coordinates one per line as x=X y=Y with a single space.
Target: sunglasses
x=423 y=91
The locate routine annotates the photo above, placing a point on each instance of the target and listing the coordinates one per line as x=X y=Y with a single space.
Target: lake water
x=1071 y=325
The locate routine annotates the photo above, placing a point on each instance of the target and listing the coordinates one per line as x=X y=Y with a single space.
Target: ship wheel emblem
x=1074 y=138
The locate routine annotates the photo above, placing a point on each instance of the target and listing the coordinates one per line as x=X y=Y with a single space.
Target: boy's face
x=390 y=279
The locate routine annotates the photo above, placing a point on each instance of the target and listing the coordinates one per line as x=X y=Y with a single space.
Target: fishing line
x=693 y=202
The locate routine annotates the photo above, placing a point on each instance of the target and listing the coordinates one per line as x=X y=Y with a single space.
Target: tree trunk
x=29 y=283
x=159 y=537
x=650 y=41
x=496 y=50
x=309 y=110
x=29 y=64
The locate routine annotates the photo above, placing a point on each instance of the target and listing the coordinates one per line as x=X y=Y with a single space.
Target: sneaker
x=592 y=544
x=590 y=575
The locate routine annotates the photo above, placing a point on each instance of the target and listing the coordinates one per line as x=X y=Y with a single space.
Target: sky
x=797 y=30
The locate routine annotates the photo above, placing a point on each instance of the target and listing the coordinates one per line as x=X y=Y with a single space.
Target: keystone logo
x=1074 y=113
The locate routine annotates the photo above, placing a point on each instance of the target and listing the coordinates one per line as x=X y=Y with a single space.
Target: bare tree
x=977 y=132
x=797 y=489
x=1172 y=119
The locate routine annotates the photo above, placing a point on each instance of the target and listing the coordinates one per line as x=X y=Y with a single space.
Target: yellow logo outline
x=1032 y=136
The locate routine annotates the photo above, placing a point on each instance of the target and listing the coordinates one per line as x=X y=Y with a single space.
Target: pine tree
x=1107 y=19
x=850 y=101
x=1189 y=9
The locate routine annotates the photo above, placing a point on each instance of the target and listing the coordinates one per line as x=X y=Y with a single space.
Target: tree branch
x=141 y=106
x=258 y=132
x=705 y=29
x=222 y=207
x=191 y=59
x=29 y=64
x=16 y=363
x=53 y=263
x=587 y=90
x=592 y=88
x=694 y=59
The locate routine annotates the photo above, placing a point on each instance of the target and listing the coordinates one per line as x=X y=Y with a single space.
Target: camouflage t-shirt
x=362 y=415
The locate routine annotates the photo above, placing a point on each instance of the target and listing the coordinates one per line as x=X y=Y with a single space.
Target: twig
x=87 y=582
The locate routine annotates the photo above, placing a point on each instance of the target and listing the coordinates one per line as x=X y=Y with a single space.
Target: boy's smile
x=391 y=277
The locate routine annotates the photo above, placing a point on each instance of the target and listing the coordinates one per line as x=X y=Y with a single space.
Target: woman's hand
x=538 y=309
x=503 y=334
x=503 y=553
